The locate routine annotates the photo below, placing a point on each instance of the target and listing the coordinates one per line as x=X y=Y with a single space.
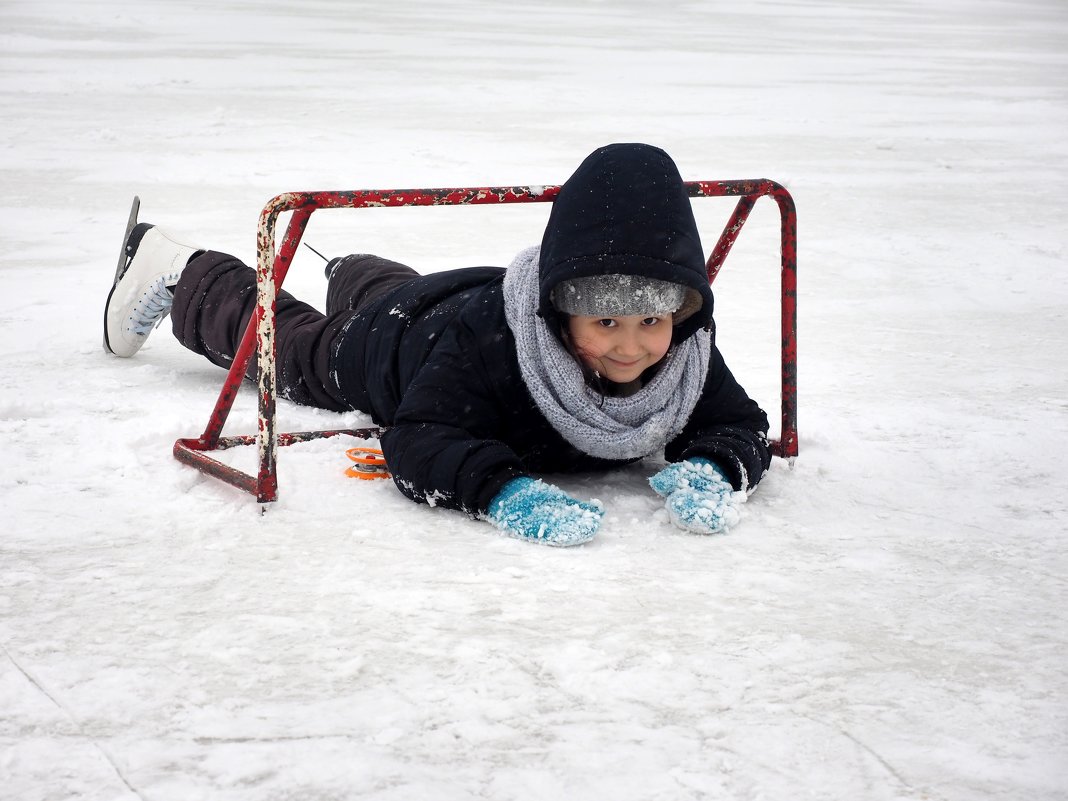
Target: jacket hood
x=625 y=211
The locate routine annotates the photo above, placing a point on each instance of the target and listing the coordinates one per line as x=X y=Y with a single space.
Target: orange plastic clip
x=369 y=463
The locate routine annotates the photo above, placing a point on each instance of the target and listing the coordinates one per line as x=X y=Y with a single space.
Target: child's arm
x=722 y=450
x=449 y=466
x=444 y=446
x=728 y=428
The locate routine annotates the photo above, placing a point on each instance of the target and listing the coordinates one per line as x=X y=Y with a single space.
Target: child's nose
x=628 y=345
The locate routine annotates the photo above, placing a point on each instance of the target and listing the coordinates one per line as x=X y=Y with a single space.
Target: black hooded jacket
x=435 y=361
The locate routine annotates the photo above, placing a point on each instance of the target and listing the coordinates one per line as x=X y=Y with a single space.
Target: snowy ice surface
x=887 y=621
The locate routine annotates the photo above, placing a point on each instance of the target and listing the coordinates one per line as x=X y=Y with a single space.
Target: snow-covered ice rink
x=888 y=621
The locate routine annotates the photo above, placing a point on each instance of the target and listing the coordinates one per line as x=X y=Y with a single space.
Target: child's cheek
x=587 y=352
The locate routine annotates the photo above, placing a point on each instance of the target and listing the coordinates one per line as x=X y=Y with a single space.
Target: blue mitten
x=533 y=510
x=699 y=497
x=697 y=473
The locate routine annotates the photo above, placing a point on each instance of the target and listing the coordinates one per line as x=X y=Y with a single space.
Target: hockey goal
x=273 y=264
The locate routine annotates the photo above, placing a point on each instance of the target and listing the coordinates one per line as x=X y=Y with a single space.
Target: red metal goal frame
x=271 y=269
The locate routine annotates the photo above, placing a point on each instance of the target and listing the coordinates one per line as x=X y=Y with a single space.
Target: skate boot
x=149 y=267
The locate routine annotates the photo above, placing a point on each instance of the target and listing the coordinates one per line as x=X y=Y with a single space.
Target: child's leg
x=357 y=279
x=213 y=302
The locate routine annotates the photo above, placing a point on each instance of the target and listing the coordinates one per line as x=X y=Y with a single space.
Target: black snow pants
x=216 y=296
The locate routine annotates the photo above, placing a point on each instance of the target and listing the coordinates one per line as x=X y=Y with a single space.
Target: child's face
x=620 y=348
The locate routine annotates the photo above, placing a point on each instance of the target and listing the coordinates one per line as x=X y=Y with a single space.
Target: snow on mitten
x=697 y=473
x=699 y=497
x=530 y=509
x=704 y=512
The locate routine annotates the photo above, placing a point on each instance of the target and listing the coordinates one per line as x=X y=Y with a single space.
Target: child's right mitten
x=530 y=509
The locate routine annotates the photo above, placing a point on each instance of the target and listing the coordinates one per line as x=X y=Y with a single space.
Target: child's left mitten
x=698 y=496
x=697 y=473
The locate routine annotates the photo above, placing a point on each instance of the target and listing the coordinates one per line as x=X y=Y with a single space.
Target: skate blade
x=129 y=228
x=134 y=208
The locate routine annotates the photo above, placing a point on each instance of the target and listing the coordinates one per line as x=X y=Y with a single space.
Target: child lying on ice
x=593 y=350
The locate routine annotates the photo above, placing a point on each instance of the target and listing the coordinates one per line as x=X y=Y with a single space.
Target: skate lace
x=153 y=306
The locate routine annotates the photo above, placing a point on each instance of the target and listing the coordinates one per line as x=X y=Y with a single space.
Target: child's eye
x=650 y=321
x=607 y=322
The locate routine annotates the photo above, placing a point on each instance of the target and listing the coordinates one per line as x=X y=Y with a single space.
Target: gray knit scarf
x=607 y=427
